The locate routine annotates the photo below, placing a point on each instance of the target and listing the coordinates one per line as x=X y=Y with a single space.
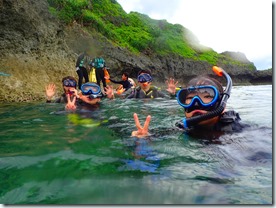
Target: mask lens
x=206 y=96
x=69 y=83
x=90 y=88
x=142 y=78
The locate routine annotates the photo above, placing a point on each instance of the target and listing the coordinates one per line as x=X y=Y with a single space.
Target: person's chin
x=196 y=113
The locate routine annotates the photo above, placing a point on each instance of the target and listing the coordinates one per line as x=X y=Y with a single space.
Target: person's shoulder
x=231 y=121
x=153 y=87
x=230 y=116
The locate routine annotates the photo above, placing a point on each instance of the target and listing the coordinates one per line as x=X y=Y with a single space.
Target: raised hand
x=50 y=91
x=75 y=92
x=141 y=131
x=71 y=104
x=171 y=83
x=109 y=91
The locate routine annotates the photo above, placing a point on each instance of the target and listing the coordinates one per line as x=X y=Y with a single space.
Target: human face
x=69 y=90
x=88 y=100
x=199 y=100
x=145 y=86
x=124 y=77
x=206 y=123
x=144 y=81
x=69 y=86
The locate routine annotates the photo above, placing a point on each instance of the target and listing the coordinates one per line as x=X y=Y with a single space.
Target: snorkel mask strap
x=187 y=122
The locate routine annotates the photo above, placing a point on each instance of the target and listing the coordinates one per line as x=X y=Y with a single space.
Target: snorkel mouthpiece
x=91 y=96
x=187 y=122
x=91 y=89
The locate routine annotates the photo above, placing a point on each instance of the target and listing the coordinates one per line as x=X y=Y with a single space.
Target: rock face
x=35 y=49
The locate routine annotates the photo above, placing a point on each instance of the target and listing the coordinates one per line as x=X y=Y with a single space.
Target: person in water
x=204 y=103
x=90 y=95
x=124 y=83
x=145 y=88
x=69 y=85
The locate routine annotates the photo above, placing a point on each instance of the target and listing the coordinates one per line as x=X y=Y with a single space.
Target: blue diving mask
x=142 y=78
x=91 y=89
x=69 y=83
x=198 y=97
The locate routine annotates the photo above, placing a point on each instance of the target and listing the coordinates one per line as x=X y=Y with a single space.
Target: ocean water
x=50 y=156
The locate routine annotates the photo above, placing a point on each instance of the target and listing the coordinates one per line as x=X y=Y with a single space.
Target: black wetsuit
x=228 y=122
x=61 y=99
x=153 y=92
x=126 y=84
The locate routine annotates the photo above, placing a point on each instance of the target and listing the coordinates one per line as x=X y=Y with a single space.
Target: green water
x=49 y=156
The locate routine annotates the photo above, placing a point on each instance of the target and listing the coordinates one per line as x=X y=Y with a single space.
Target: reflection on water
x=49 y=156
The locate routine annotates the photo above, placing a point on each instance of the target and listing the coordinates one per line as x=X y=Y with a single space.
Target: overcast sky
x=223 y=25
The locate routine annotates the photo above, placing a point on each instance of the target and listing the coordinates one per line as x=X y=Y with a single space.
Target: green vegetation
x=134 y=31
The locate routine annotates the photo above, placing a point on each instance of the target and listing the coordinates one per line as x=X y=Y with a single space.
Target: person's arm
x=116 y=82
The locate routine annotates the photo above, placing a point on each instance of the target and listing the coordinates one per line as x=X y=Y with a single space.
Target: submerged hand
x=171 y=86
x=142 y=131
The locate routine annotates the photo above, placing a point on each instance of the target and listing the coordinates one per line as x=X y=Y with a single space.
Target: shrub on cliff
x=134 y=31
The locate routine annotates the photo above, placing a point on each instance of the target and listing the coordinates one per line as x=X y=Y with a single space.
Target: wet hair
x=144 y=71
x=126 y=74
x=205 y=80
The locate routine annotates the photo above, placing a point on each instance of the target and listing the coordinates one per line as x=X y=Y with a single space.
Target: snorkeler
x=69 y=85
x=204 y=102
x=124 y=83
x=90 y=95
x=145 y=88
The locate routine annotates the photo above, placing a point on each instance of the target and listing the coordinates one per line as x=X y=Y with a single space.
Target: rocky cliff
x=35 y=49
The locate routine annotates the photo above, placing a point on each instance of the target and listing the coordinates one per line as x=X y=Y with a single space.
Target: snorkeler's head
x=69 y=81
x=204 y=100
x=92 y=89
x=201 y=93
